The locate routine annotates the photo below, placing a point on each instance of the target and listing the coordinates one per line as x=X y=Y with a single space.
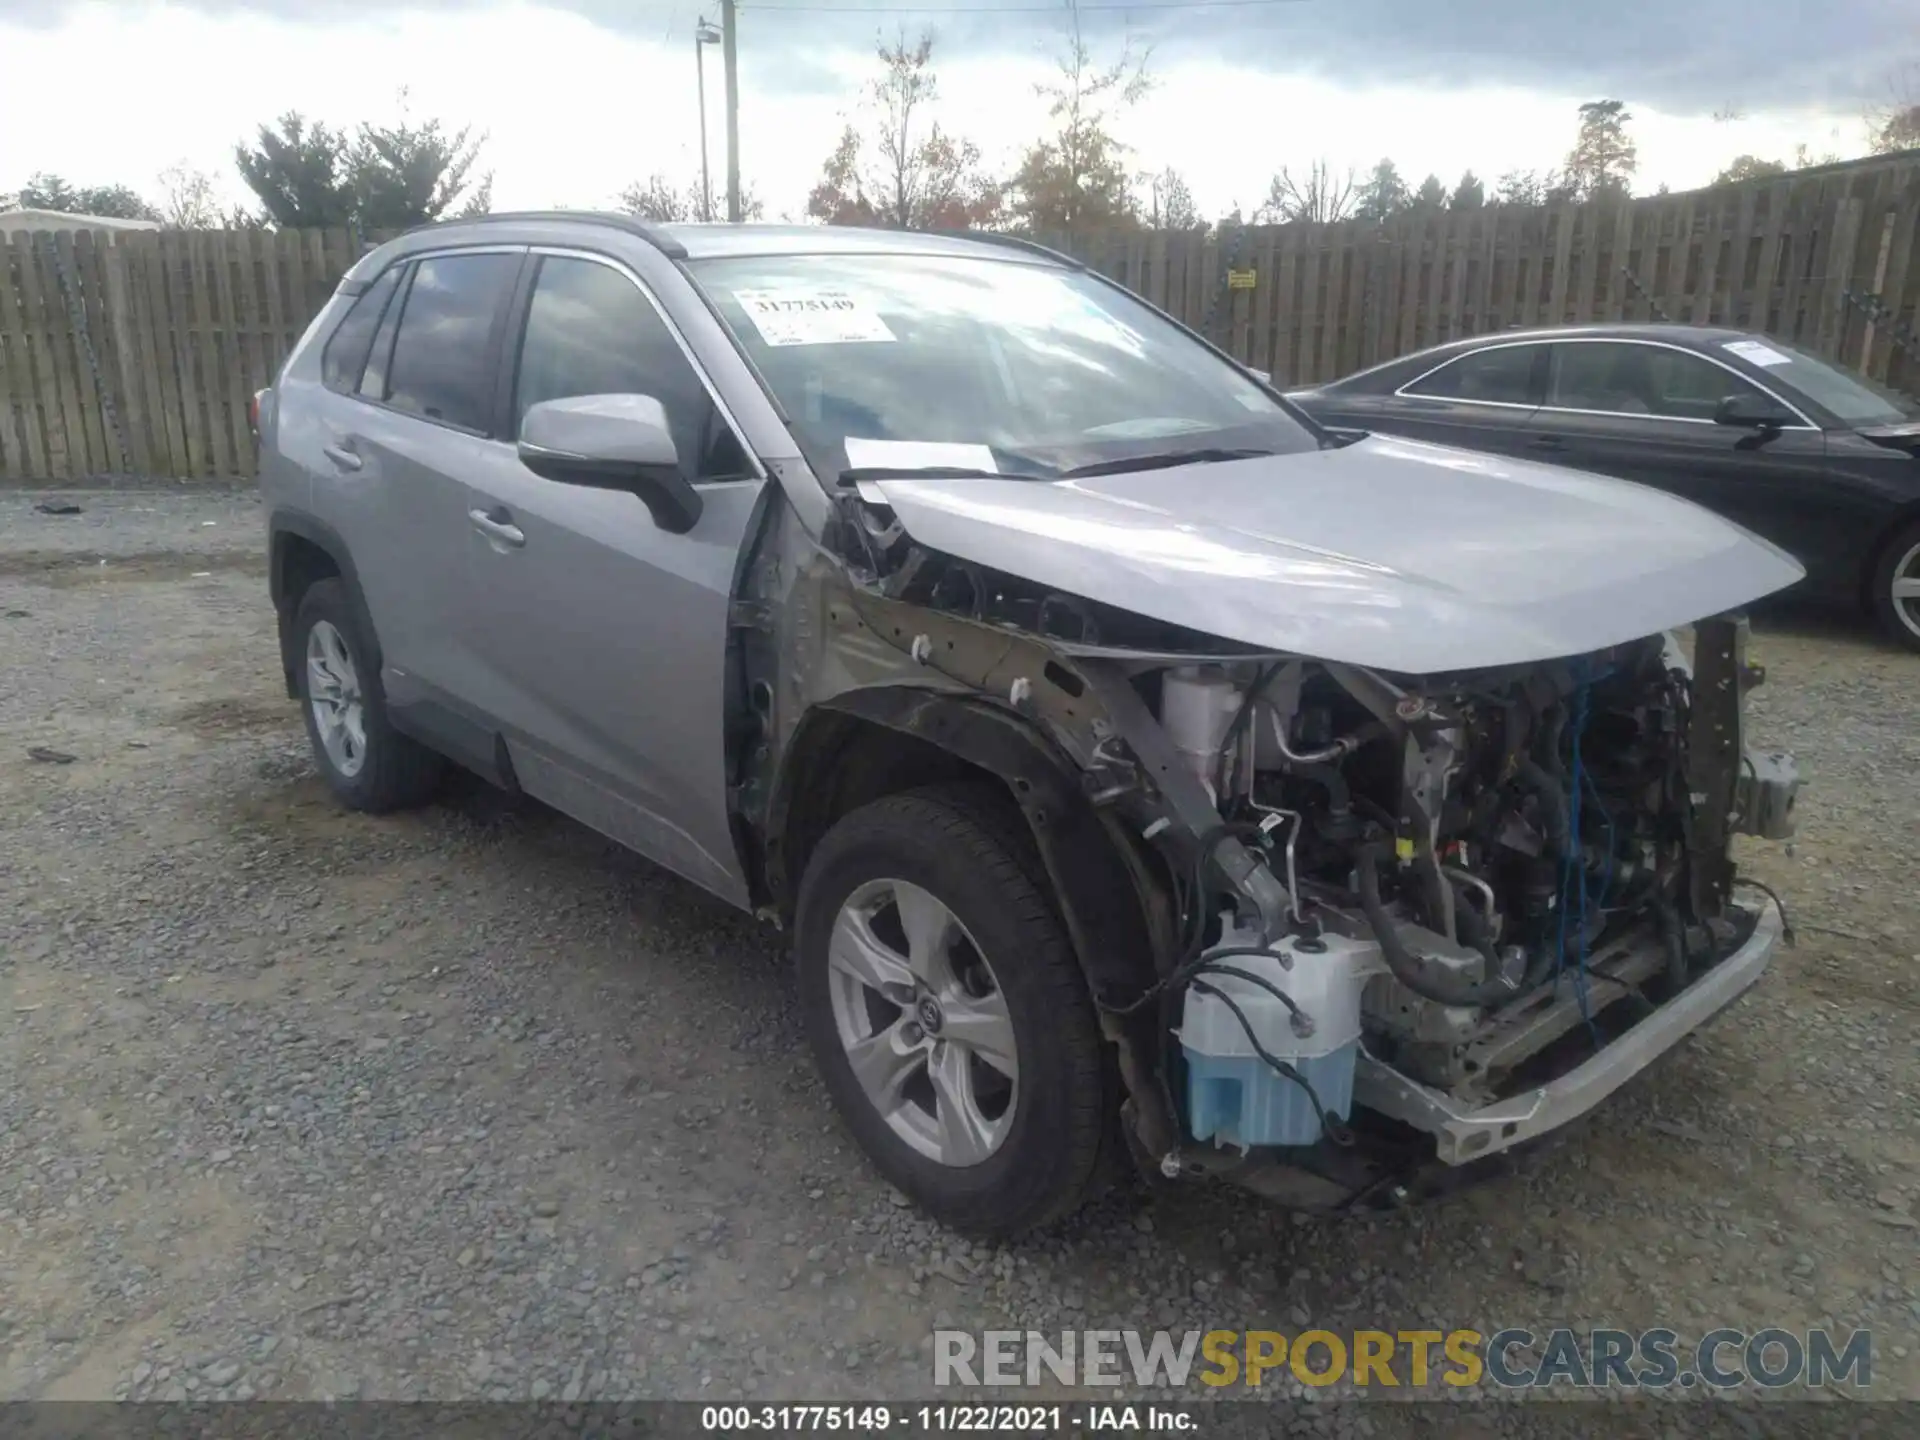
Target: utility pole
x=730 y=55
x=703 y=36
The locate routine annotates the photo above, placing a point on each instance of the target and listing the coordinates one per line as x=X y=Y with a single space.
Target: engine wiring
x=1573 y=869
x=1786 y=925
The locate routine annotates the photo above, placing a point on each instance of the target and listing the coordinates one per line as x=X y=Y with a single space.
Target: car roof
x=1697 y=337
x=1700 y=335
x=712 y=241
x=705 y=241
x=1669 y=331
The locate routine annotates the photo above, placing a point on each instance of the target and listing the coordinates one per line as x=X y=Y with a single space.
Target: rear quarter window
x=1498 y=375
x=345 y=356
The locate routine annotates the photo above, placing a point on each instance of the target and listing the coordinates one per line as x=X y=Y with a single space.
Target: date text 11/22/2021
x=943 y=1419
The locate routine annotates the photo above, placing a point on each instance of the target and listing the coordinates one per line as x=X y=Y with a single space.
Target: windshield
x=983 y=365
x=1851 y=399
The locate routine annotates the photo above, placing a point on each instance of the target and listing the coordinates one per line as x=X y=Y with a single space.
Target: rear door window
x=1498 y=375
x=345 y=357
x=442 y=364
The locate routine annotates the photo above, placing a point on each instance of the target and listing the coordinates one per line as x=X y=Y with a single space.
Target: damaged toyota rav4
x=1140 y=770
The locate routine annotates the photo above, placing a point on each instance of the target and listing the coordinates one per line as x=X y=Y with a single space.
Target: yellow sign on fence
x=1240 y=279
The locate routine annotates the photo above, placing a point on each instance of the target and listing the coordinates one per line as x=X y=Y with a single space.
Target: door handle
x=1548 y=442
x=497 y=524
x=342 y=456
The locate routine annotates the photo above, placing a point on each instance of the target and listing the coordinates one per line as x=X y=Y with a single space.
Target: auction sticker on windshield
x=812 y=317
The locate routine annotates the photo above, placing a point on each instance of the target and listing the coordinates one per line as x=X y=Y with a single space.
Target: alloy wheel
x=1906 y=590
x=923 y=1022
x=333 y=692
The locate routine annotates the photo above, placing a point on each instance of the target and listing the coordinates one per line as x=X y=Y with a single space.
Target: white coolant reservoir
x=1196 y=710
x=1234 y=1097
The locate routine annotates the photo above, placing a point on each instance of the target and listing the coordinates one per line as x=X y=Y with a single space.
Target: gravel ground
x=469 y=1104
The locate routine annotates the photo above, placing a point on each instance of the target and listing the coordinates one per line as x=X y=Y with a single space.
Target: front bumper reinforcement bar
x=1464 y=1135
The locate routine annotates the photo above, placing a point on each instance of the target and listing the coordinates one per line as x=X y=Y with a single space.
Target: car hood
x=1386 y=553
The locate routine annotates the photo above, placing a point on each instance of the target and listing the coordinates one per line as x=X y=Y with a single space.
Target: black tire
x=957 y=842
x=396 y=772
x=1892 y=556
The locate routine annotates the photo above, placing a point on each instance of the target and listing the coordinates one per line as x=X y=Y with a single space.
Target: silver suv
x=1139 y=768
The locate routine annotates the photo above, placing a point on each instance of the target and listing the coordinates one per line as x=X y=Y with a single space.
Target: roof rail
x=1013 y=242
x=652 y=234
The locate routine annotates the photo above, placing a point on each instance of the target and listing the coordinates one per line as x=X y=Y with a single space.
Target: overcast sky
x=578 y=97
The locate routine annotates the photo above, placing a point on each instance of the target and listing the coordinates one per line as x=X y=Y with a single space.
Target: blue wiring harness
x=1577 y=894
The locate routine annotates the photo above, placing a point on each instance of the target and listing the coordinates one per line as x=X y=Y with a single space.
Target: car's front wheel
x=367 y=763
x=1896 y=587
x=948 y=1014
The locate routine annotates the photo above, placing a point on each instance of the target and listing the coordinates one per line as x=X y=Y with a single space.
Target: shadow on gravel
x=296 y=810
x=227 y=717
x=1803 y=621
x=67 y=568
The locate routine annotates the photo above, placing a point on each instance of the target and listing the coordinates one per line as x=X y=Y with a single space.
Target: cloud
x=1681 y=56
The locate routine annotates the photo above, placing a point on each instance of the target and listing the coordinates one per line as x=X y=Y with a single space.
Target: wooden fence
x=136 y=353
x=1827 y=259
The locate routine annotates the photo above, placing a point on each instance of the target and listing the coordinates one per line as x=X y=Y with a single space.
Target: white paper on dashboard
x=918 y=455
x=1755 y=353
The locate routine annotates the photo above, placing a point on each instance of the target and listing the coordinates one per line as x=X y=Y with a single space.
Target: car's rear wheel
x=948 y=1014
x=366 y=762
x=1896 y=587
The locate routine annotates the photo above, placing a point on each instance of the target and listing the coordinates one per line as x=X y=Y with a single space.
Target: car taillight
x=253 y=412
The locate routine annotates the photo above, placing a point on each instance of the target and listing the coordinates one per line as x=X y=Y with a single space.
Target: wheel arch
x=1903 y=519
x=866 y=744
x=302 y=550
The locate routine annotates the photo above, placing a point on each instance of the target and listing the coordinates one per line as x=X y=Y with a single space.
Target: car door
x=602 y=639
x=410 y=378
x=1479 y=400
x=1643 y=411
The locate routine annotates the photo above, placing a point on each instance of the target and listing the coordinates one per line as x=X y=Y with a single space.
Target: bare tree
x=1894 y=124
x=1529 y=187
x=1076 y=177
x=1170 y=203
x=658 y=199
x=1319 y=197
x=905 y=170
x=187 y=200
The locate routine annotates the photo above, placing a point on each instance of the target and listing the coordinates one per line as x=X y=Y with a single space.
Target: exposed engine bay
x=1386 y=916
x=1489 y=875
x=1493 y=841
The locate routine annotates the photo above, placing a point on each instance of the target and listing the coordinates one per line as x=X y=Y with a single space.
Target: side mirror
x=611 y=442
x=1751 y=412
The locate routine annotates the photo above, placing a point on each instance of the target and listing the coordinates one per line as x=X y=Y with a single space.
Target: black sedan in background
x=1818 y=460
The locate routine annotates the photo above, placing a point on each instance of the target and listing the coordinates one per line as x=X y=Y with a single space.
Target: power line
x=1058 y=8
